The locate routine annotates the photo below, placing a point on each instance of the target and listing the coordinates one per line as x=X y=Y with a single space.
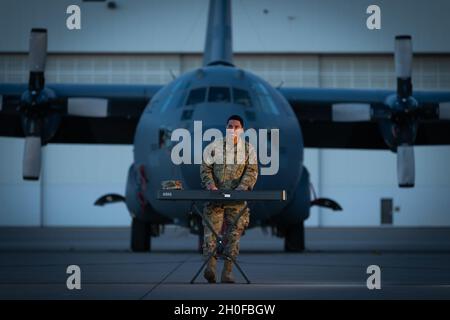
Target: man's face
x=234 y=127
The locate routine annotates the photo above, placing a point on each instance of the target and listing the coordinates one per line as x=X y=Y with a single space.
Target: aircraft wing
x=353 y=118
x=76 y=113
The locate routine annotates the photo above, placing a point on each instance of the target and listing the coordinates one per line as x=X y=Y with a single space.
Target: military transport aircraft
x=145 y=115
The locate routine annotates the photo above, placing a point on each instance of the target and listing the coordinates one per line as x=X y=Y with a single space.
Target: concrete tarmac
x=415 y=264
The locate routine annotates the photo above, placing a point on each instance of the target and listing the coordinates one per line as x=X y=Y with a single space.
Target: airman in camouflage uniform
x=240 y=174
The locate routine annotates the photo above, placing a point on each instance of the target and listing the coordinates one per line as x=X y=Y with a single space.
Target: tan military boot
x=210 y=270
x=227 y=275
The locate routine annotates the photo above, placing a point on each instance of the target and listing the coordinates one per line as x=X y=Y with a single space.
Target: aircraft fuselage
x=220 y=92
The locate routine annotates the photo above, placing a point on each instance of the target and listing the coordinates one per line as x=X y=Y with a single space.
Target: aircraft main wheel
x=294 y=239
x=140 y=236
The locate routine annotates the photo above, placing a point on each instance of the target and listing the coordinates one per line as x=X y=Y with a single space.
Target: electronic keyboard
x=222 y=195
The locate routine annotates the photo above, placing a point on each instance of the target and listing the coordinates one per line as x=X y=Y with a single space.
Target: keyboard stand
x=231 y=195
x=219 y=243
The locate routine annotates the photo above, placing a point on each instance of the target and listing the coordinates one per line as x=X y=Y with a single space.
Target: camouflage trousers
x=222 y=217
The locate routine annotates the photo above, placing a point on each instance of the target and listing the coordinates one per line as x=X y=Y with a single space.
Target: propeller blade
x=32 y=158
x=38 y=50
x=444 y=110
x=351 y=112
x=109 y=198
x=326 y=203
x=403 y=57
x=405 y=166
x=37 y=56
x=403 y=65
x=88 y=107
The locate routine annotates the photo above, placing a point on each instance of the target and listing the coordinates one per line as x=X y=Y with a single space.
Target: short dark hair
x=237 y=118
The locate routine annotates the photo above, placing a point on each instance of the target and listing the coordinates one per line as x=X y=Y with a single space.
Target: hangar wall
x=430 y=72
x=75 y=175
x=259 y=26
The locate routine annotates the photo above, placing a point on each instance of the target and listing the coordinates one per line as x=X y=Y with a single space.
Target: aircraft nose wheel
x=294 y=238
x=140 y=236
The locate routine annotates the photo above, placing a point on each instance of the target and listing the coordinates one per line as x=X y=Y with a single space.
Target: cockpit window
x=219 y=94
x=241 y=97
x=196 y=96
x=265 y=100
x=173 y=92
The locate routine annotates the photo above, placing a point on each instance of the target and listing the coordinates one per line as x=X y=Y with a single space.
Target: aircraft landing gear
x=140 y=236
x=294 y=238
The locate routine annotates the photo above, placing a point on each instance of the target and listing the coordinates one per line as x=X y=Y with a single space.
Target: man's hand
x=241 y=188
x=211 y=187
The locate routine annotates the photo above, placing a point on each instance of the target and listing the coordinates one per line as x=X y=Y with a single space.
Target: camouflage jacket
x=228 y=174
